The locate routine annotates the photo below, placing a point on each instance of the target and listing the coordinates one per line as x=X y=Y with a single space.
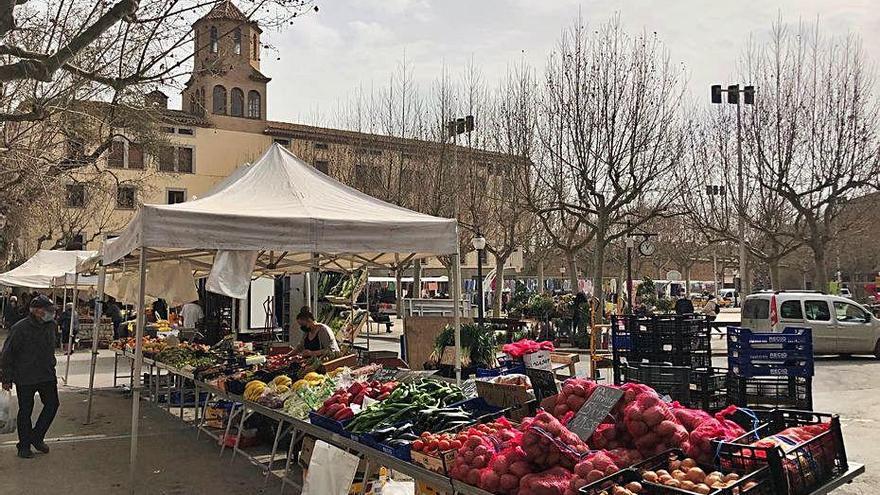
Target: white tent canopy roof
x=40 y=270
x=287 y=210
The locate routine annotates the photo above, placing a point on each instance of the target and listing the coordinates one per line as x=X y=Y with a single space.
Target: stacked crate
x=770 y=370
x=672 y=354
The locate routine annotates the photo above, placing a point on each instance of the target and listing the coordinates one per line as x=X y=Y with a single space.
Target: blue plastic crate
x=769 y=355
x=621 y=341
x=330 y=424
x=759 y=369
x=789 y=335
x=509 y=369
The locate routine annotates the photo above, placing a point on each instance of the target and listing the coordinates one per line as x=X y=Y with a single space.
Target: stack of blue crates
x=770 y=369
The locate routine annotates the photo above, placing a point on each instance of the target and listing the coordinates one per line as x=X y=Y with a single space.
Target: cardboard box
x=502 y=395
x=438 y=462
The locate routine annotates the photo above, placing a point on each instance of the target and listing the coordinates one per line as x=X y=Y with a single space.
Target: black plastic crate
x=770 y=392
x=759 y=480
x=673 y=381
x=800 y=468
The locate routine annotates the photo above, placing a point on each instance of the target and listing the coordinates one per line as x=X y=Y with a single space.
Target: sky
x=323 y=58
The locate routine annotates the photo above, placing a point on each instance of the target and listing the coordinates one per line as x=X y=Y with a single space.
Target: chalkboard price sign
x=594 y=411
x=543 y=383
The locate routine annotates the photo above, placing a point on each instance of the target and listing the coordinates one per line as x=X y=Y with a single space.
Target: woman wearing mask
x=318 y=338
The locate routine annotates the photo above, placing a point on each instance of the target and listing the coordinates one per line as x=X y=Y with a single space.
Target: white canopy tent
x=44 y=266
x=295 y=217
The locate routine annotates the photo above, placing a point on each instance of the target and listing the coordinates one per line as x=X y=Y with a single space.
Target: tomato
x=426 y=434
x=443 y=445
x=432 y=445
x=418 y=445
x=455 y=444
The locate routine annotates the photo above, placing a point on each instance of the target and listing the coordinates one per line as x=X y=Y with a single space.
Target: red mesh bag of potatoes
x=574 y=393
x=689 y=418
x=505 y=470
x=553 y=481
x=592 y=468
x=472 y=459
x=547 y=442
x=653 y=426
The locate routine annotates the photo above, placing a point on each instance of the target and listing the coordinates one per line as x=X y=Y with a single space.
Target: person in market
x=28 y=361
x=684 y=306
x=318 y=338
x=192 y=314
x=12 y=313
x=64 y=322
x=114 y=312
x=160 y=309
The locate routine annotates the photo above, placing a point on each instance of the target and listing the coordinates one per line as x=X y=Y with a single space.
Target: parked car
x=839 y=325
x=728 y=296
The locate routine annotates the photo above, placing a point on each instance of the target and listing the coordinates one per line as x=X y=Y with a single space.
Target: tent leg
x=316 y=274
x=99 y=306
x=136 y=373
x=456 y=311
x=73 y=316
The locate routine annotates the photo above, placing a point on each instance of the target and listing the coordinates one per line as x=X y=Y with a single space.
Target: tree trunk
x=775 y=283
x=571 y=267
x=417 y=280
x=598 y=275
x=540 y=276
x=821 y=270
x=499 y=285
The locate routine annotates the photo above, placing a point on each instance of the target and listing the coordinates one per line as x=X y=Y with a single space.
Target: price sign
x=539 y=360
x=543 y=383
x=408 y=376
x=384 y=375
x=594 y=411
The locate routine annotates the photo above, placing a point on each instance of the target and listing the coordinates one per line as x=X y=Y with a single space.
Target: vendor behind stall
x=318 y=338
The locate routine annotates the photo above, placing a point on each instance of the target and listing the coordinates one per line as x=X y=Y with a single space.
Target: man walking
x=28 y=361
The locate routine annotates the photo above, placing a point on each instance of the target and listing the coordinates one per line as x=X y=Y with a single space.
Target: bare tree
x=613 y=126
x=812 y=137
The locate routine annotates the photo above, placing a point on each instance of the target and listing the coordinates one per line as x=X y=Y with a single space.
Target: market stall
x=41 y=269
x=280 y=215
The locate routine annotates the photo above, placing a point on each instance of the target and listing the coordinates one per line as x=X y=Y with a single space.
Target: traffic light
x=716 y=93
x=749 y=95
x=708 y=190
x=733 y=94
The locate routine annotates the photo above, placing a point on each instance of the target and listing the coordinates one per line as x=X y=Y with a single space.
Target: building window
x=135 y=156
x=255 y=48
x=321 y=146
x=236 y=42
x=185 y=160
x=176 y=196
x=175 y=159
x=76 y=196
x=237 y=102
x=215 y=40
x=126 y=197
x=254 y=104
x=282 y=141
x=76 y=243
x=169 y=130
x=323 y=166
x=219 y=100
x=116 y=156
x=185 y=131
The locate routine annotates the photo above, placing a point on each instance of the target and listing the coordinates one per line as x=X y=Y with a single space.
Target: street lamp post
x=479 y=243
x=733 y=97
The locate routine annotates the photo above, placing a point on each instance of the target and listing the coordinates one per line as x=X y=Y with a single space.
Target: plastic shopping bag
x=331 y=471
x=7 y=419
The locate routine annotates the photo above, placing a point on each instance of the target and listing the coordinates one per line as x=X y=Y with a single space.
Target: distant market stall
x=278 y=215
x=41 y=270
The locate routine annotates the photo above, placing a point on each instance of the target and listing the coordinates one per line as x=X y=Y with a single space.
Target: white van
x=839 y=325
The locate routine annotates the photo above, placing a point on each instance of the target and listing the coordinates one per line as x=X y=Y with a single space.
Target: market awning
x=40 y=270
x=288 y=211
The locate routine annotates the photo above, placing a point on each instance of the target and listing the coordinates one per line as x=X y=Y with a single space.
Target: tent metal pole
x=99 y=309
x=64 y=299
x=456 y=311
x=73 y=316
x=316 y=274
x=138 y=369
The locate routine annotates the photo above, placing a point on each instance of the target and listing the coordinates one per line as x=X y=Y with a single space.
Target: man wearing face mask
x=28 y=361
x=318 y=338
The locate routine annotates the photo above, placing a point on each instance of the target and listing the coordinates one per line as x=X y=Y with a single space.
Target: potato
x=712 y=478
x=696 y=475
x=674 y=464
x=731 y=477
x=673 y=483
x=661 y=472
x=665 y=478
x=687 y=485
x=650 y=476
x=702 y=489
x=634 y=486
x=688 y=463
x=749 y=485
x=679 y=475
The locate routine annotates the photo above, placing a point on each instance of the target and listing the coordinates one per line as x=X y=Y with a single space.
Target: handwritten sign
x=543 y=383
x=409 y=376
x=538 y=360
x=594 y=411
x=384 y=375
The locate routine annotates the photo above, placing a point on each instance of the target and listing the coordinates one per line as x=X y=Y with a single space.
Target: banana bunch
x=254 y=389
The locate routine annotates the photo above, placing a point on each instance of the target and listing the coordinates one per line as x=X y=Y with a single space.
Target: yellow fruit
x=281 y=389
x=282 y=380
x=311 y=375
x=300 y=384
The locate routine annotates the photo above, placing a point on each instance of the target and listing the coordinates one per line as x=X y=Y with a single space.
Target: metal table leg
x=115 y=368
x=287 y=463
x=274 y=449
x=244 y=416
x=228 y=424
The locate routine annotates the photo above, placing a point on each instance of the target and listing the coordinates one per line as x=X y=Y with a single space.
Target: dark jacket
x=684 y=306
x=28 y=356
